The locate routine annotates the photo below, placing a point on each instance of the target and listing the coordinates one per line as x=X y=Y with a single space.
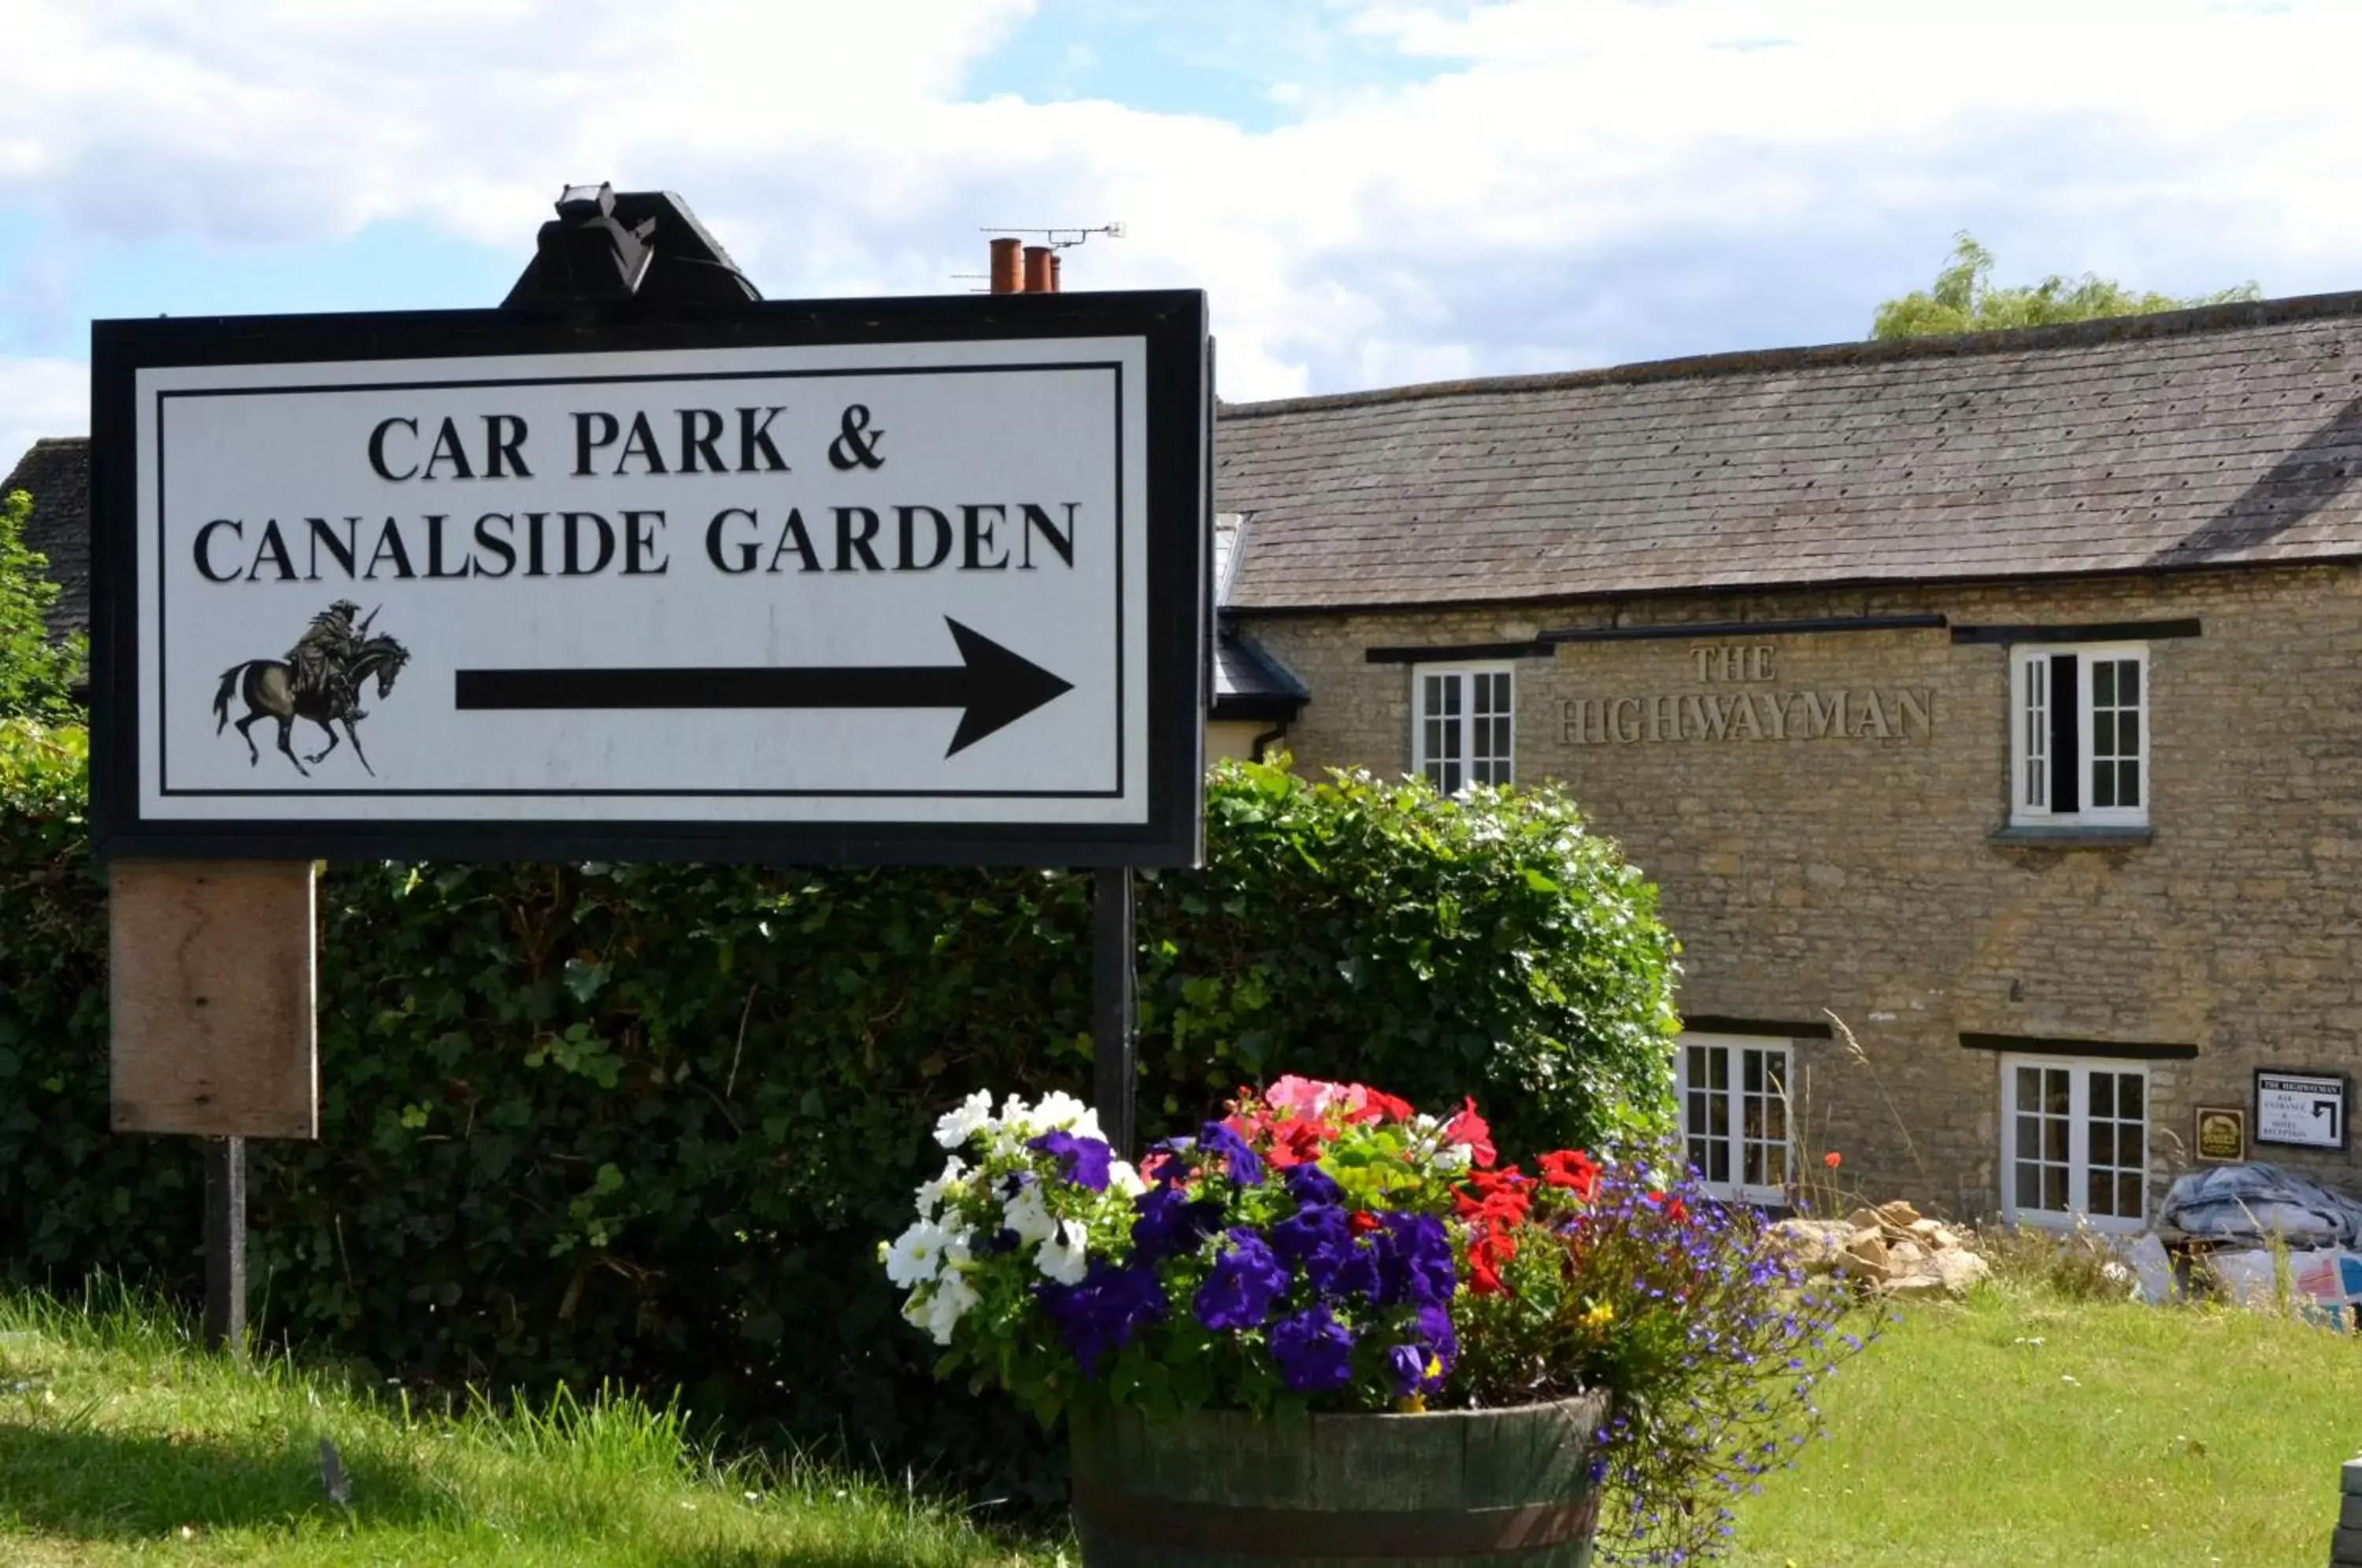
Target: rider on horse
x=321 y=657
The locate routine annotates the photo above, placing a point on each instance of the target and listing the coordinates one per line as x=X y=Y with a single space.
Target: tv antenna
x=1056 y=239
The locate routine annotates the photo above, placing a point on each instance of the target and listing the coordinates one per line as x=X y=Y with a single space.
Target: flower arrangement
x=1326 y=1246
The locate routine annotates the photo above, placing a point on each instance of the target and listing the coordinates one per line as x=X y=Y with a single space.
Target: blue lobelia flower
x=1414 y=1260
x=1083 y=1161
x=1244 y=1165
x=1310 y=1184
x=1245 y=1282
x=1104 y=1311
x=1170 y=1222
x=1314 y=1350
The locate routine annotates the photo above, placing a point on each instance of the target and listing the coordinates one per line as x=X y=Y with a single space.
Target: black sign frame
x=1179 y=428
x=2345 y=1110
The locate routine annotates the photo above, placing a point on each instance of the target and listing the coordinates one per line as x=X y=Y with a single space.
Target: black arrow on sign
x=991 y=686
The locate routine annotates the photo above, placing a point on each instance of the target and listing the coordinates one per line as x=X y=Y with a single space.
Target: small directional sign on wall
x=2303 y=1109
x=864 y=580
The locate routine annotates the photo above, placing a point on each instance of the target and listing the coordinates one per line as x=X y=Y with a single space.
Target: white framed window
x=1463 y=725
x=2078 y=734
x=2074 y=1141
x=1733 y=1090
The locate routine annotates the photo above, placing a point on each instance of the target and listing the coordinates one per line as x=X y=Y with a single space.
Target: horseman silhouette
x=320 y=680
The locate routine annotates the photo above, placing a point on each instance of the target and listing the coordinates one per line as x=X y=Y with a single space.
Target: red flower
x=1298 y=1141
x=1574 y=1170
x=1486 y=1254
x=1380 y=1107
x=1363 y=1222
x=1676 y=1213
x=1470 y=1129
x=1833 y=1159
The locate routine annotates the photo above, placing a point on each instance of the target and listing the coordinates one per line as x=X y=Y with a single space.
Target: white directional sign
x=876 y=580
x=2307 y=1110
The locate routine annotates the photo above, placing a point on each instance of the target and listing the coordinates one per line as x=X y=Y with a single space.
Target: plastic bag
x=2244 y=1205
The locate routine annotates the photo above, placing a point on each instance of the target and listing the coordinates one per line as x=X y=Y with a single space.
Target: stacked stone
x=2345 y=1540
x=1892 y=1248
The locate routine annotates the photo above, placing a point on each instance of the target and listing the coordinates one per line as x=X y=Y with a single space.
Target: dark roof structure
x=2227 y=436
x=56 y=472
x=1249 y=683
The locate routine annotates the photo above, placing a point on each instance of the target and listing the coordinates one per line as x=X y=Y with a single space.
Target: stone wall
x=1859 y=873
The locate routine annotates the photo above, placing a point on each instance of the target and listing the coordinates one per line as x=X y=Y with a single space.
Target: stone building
x=1988 y=709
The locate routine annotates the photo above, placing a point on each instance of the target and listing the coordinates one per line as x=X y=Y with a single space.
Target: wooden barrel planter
x=1220 y=1489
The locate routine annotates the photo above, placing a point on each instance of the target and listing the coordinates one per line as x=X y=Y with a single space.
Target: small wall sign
x=2304 y=1110
x=2221 y=1133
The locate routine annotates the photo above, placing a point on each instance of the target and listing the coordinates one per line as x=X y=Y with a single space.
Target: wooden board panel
x=212 y=972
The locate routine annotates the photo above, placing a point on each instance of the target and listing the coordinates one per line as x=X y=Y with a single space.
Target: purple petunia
x=1104 y=1311
x=1083 y=1161
x=1310 y=1183
x=1244 y=1283
x=1170 y=1222
x=1319 y=1240
x=1414 y=1260
x=1314 y=1350
x=1245 y=1167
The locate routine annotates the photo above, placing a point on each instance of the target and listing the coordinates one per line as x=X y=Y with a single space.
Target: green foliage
x=648 y=1122
x=1964 y=299
x=37 y=675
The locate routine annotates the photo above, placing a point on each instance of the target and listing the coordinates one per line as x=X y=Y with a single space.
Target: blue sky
x=1372 y=191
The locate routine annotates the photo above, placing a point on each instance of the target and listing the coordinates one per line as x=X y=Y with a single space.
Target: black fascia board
x=2087 y=631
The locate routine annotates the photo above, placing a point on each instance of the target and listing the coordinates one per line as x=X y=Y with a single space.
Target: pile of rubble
x=1890 y=1248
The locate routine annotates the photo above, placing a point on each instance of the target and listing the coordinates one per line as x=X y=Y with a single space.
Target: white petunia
x=1060 y=1257
x=1123 y=1179
x=1060 y=1109
x=1029 y=1216
x=950 y=1302
x=970 y=1117
x=916 y=1254
x=933 y=1193
x=958 y=1244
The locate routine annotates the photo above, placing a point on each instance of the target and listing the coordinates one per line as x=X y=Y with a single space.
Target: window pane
x=2054 y=1189
x=2054 y=1138
x=2128 y=784
x=2128 y=1093
x=2029 y=1185
x=2029 y=1137
x=2103 y=1094
x=2128 y=731
x=2103 y=683
x=2029 y=1089
x=2056 y=1086
x=2128 y=1195
x=2100 y=1193
x=2104 y=1143
x=1718 y=1165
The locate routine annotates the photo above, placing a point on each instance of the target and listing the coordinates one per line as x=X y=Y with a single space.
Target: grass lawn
x=2023 y=1428
x=120 y=1444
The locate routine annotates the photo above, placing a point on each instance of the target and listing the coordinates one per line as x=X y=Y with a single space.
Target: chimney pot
x=1006 y=277
x=1054 y=271
x=1037 y=270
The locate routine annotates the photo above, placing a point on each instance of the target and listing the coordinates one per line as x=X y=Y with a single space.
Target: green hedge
x=649 y=1122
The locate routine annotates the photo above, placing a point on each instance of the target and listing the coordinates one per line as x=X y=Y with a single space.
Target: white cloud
x=40 y=397
x=1553 y=182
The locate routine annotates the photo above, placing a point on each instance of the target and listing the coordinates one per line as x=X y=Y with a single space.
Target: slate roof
x=1249 y=682
x=2229 y=436
x=56 y=470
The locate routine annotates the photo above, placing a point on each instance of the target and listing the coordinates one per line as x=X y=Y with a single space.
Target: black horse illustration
x=269 y=688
